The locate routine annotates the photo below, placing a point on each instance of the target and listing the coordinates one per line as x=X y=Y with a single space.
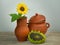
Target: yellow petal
x=22 y=5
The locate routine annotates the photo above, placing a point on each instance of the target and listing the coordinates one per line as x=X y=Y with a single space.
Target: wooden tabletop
x=8 y=38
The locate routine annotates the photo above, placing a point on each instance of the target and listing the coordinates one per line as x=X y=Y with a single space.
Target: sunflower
x=22 y=8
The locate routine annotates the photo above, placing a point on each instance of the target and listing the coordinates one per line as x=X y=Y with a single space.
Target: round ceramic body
x=38 y=23
x=39 y=27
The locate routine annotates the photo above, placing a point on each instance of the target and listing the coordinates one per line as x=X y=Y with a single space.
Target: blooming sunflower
x=22 y=8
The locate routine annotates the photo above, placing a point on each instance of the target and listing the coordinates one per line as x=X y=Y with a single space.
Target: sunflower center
x=36 y=36
x=22 y=9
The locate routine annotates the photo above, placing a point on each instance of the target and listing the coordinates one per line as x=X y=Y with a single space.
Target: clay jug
x=38 y=23
x=22 y=29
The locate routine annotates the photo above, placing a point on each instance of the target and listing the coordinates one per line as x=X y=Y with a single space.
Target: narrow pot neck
x=21 y=21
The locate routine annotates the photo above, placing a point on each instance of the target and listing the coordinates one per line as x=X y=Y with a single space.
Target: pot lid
x=37 y=18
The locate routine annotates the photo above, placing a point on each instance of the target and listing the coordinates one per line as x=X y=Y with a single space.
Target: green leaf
x=14 y=17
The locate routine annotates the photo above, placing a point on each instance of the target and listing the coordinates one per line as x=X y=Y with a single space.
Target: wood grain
x=8 y=38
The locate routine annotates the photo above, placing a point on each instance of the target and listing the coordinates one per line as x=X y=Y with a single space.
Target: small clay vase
x=22 y=29
x=38 y=23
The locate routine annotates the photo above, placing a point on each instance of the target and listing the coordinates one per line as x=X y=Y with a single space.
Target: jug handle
x=48 y=25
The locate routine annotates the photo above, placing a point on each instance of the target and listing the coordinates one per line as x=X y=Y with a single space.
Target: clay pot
x=22 y=29
x=37 y=18
x=38 y=23
x=39 y=27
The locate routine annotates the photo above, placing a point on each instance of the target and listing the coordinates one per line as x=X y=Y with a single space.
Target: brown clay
x=39 y=27
x=37 y=18
x=22 y=29
x=38 y=23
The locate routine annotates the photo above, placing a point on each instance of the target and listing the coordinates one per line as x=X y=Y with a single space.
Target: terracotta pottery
x=37 y=18
x=22 y=29
x=38 y=23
